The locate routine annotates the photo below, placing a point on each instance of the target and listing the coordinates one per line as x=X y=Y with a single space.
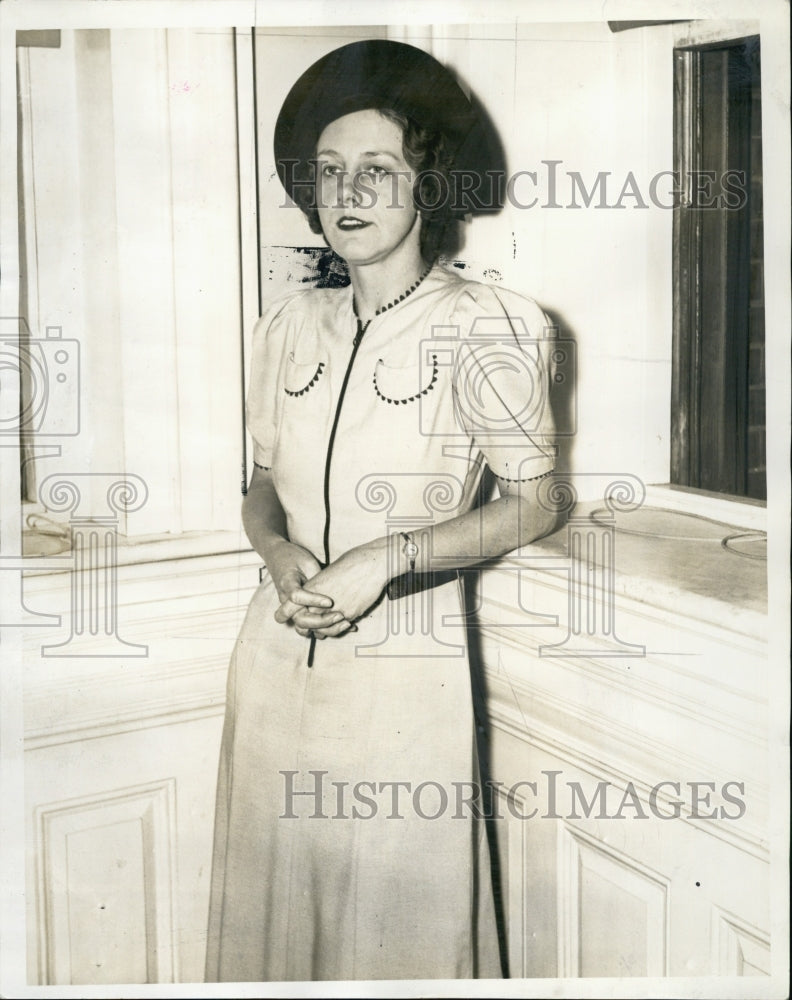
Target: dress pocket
x=300 y=378
x=400 y=386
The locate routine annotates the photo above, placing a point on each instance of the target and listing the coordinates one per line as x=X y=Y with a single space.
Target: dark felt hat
x=379 y=74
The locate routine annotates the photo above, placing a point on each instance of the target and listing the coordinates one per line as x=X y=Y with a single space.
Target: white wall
x=596 y=101
x=132 y=205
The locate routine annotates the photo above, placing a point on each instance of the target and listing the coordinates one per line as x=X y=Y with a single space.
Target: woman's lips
x=347 y=223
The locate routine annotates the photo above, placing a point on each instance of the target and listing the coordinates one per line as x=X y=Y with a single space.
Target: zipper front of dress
x=361 y=329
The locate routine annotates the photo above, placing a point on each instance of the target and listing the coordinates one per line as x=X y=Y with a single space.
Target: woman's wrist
x=398 y=554
x=380 y=555
x=270 y=545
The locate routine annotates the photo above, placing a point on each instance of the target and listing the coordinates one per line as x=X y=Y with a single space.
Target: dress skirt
x=349 y=844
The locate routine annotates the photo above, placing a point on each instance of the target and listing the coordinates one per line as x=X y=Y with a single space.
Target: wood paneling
x=121 y=763
x=619 y=871
x=738 y=948
x=106 y=881
x=612 y=911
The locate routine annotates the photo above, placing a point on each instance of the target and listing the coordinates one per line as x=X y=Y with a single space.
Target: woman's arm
x=262 y=514
x=289 y=565
x=514 y=519
x=356 y=580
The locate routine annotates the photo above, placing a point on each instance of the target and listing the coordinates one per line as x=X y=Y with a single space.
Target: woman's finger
x=299 y=598
x=309 y=598
x=335 y=630
x=316 y=620
x=286 y=611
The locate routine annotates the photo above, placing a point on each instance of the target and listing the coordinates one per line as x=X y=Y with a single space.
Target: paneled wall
x=120 y=770
x=633 y=796
x=637 y=842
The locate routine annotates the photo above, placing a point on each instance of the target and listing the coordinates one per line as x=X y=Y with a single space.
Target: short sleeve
x=268 y=349
x=502 y=380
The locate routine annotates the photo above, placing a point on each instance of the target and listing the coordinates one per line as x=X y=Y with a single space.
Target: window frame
x=710 y=369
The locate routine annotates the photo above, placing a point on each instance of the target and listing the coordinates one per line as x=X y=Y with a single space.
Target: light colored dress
x=382 y=870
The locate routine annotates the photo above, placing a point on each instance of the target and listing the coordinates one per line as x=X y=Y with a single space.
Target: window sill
x=738 y=511
x=697 y=579
x=152 y=549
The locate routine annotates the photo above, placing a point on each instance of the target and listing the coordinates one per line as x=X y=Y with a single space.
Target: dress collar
x=400 y=298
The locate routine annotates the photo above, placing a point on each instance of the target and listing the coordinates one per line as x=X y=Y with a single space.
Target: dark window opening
x=718 y=387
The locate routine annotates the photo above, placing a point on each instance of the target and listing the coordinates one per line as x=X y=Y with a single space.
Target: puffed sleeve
x=270 y=336
x=502 y=380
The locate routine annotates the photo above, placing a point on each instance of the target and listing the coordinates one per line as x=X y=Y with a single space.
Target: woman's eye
x=376 y=171
x=329 y=170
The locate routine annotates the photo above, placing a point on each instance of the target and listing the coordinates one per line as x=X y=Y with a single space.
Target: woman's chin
x=357 y=256
x=353 y=246
x=359 y=252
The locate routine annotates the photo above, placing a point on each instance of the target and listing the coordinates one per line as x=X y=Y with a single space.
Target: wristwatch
x=410 y=549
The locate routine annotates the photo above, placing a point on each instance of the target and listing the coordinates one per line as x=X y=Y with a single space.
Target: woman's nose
x=350 y=195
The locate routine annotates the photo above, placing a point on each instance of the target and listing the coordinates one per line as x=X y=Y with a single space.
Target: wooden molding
x=578 y=853
x=738 y=948
x=102 y=917
x=620 y=756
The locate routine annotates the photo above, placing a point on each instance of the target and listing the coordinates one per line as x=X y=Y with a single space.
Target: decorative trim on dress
x=528 y=479
x=405 y=294
x=299 y=392
x=408 y=399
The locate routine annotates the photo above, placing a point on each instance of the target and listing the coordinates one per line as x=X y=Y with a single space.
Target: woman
x=349 y=842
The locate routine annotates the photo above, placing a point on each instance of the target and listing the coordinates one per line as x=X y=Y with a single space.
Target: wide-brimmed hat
x=381 y=74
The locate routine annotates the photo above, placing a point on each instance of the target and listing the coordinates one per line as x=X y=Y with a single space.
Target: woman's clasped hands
x=327 y=602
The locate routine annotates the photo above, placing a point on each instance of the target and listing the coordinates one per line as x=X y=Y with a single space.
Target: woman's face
x=364 y=189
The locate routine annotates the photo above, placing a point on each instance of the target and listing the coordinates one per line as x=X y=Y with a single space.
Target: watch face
x=411 y=550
